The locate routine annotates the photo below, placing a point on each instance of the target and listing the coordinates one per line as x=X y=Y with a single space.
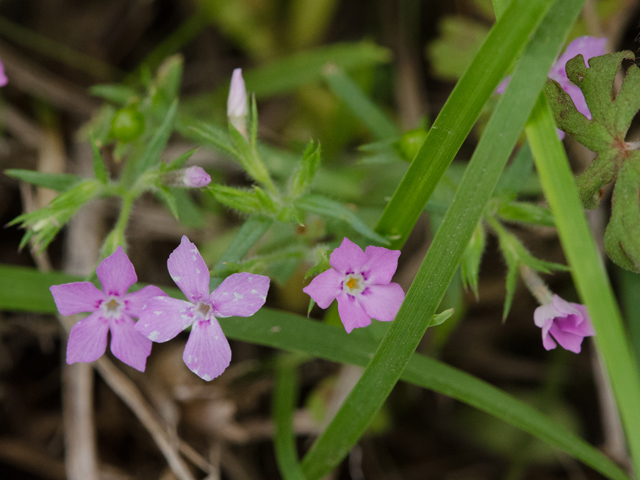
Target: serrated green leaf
x=56 y=181
x=99 y=169
x=522 y=212
x=330 y=208
x=243 y=200
x=470 y=266
x=303 y=175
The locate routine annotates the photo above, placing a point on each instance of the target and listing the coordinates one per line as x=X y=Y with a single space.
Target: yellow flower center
x=353 y=284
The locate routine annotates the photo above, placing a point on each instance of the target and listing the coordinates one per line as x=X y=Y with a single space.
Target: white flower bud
x=237 y=102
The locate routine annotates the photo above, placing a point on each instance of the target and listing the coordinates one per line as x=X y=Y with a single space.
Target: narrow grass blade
x=360 y=105
x=587 y=270
x=26 y=289
x=285 y=396
x=447 y=248
x=503 y=45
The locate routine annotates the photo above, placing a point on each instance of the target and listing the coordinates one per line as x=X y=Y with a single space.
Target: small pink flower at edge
x=361 y=282
x=3 y=77
x=568 y=324
x=112 y=309
x=586 y=46
x=196 y=177
x=207 y=353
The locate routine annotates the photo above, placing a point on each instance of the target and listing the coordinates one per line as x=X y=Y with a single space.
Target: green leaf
x=470 y=266
x=250 y=160
x=211 y=135
x=515 y=175
x=286 y=75
x=166 y=194
x=251 y=231
x=455 y=48
x=360 y=105
x=189 y=213
x=99 y=169
x=331 y=209
x=243 y=200
x=179 y=162
x=25 y=289
x=169 y=77
x=302 y=176
x=521 y=212
x=441 y=317
x=447 y=248
x=158 y=142
x=605 y=134
x=285 y=396
x=55 y=181
x=587 y=270
x=43 y=224
x=502 y=46
x=115 y=93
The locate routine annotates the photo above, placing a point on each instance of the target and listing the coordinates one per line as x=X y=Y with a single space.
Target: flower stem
x=536 y=285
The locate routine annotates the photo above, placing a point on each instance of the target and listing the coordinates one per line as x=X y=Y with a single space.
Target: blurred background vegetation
x=405 y=55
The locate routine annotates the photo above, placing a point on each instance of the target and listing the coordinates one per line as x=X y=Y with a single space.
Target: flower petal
x=127 y=344
x=568 y=341
x=351 y=313
x=88 y=339
x=325 y=287
x=3 y=77
x=348 y=257
x=502 y=86
x=240 y=295
x=136 y=300
x=382 y=302
x=207 y=353
x=162 y=318
x=547 y=341
x=188 y=270
x=544 y=313
x=380 y=266
x=116 y=273
x=586 y=46
x=77 y=297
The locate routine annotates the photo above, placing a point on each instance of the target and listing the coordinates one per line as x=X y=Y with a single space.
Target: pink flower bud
x=3 y=78
x=237 y=102
x=196 y=177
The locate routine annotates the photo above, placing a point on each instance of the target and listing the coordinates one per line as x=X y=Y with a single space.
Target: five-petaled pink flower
x=586 y=46
x=3 y=78
x=361 y=281
x=568 y=324
x=207 y=353
x=112 y=309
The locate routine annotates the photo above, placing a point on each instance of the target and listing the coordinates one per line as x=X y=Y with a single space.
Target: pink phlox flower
x=196 y=177
x=568 y=324
x=361 y=282
x=586 y=46
x=207 y=353
x=113 y=310
x=3 y=77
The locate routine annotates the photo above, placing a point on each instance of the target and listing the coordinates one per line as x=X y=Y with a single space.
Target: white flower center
x=353 y=284
x=112 y=307
x=203 y=311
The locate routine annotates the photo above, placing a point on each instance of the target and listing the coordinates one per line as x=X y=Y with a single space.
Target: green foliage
x=247 y=201
x=303 y=175
x=44 y=224
x=521 y=212
x=470 y=266
x=127 y=124
x=157 y=143
x=605 y=134
x=60 y=182
x=99 y=168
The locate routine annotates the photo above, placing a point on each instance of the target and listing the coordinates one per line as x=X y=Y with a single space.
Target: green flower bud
x=127 y=124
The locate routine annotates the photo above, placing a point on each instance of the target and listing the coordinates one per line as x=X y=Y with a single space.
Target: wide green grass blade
x=360 y=105
x=285 y=395
x=448 y=246
x=588 y=274
x=26 y=289
x=503 y=45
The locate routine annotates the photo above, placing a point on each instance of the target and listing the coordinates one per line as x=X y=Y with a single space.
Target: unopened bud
x=237 y=102
x=196 y=177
